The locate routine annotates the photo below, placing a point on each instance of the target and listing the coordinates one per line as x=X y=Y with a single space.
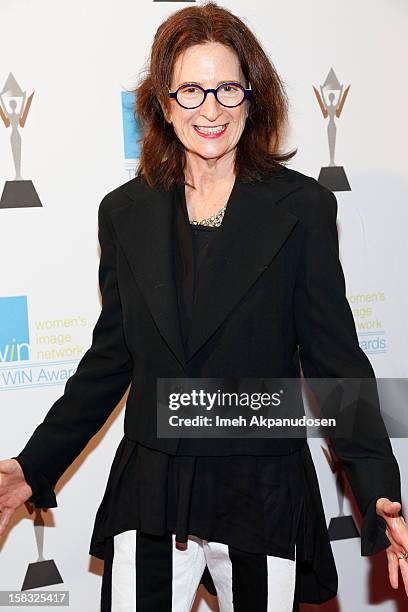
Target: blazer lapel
x=252 y=232
x=145 y=231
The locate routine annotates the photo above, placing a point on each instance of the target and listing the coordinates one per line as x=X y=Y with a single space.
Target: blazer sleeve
x=329 y=348
x=91 y=393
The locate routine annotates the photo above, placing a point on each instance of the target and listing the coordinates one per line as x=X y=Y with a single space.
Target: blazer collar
x=252 y=231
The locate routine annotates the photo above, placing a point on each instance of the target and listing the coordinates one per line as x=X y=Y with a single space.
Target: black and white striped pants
x=146 y=573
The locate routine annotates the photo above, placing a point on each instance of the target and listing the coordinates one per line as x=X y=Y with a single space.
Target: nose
x=211 y=108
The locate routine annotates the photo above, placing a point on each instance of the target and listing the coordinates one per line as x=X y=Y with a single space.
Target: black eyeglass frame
x=247 y=93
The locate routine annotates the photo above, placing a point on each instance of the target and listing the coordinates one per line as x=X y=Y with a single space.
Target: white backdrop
x=78 y=58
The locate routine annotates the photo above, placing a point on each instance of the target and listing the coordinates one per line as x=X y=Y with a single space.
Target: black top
x=254 y=503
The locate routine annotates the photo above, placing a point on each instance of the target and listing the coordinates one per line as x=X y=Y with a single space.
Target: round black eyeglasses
x=191 y=95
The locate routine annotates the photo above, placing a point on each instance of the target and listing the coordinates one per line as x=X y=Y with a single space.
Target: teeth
x=210 y=130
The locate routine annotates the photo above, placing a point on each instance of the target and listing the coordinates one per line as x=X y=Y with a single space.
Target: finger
x=403 y=565
x=4 y=519
x=391 y=508
x=392 y=568
x=397 y=533
x=396 y=524
x=396 y=547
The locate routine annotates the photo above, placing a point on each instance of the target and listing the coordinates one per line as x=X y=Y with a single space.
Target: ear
x=165 y=113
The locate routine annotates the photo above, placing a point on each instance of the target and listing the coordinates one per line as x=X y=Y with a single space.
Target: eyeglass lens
x=228 y=94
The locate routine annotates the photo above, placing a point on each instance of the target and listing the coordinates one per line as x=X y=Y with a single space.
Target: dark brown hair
x=162 y=158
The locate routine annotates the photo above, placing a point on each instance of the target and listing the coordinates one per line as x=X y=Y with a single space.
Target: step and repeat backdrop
x=68 y=136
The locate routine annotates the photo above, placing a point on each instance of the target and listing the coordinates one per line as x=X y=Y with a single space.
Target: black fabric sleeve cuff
x=43 y=493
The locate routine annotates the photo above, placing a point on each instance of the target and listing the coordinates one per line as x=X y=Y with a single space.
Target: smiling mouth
x=209 y=131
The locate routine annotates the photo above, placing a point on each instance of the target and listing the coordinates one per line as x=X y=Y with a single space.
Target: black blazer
x=271 y=297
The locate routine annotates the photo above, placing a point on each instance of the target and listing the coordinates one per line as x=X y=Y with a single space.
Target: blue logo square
x=131 y=127
x=14 y=329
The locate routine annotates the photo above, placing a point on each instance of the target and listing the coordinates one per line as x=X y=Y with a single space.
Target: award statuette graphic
x=42 y=572
x=341 y=527
x=14 y=108
x=331 y=100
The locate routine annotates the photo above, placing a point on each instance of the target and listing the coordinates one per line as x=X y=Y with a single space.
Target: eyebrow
x=197 y=83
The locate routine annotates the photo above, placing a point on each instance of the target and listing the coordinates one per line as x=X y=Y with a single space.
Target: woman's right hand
x=14 y=491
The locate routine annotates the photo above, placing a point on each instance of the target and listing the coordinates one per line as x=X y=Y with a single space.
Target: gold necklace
x=213 y=221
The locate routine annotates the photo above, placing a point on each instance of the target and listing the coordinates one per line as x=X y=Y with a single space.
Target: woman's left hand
x=397 y=533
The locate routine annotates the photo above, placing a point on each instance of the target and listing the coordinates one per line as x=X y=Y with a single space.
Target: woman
x=216 y=260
